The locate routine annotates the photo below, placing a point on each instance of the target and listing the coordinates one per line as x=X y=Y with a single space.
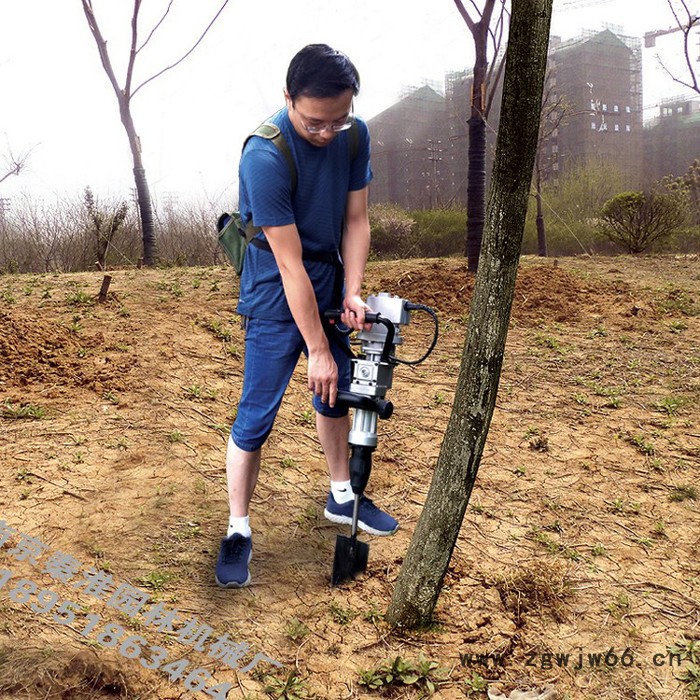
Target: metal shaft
x=355 y=515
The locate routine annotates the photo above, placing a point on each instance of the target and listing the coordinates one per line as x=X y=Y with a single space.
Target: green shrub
x=439 y=232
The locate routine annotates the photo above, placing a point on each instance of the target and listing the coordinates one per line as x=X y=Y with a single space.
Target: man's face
x=319 y=113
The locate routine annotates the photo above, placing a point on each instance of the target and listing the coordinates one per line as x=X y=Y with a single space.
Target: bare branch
x=15 y=164
x=132 y=50
x=153 y=31
x=178 y=62
x=101 y=47
x=685 y=26
x=465 y=14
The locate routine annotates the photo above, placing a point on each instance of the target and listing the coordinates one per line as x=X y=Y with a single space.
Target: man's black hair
x=320 y=71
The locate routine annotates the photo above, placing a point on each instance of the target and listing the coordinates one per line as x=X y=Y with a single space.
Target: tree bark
x=476 y=189
x=423 y=571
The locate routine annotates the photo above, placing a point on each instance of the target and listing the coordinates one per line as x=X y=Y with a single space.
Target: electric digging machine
x=371 y=378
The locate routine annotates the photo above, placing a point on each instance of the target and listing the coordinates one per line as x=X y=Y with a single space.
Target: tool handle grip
x=333 y=316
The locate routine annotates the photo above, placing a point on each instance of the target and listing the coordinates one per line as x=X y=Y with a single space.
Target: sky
x=57 y=104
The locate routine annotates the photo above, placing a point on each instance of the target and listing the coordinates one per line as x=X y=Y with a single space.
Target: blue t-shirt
x=325 y=175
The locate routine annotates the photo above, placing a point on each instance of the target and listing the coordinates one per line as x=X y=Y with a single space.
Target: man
x=290 y=278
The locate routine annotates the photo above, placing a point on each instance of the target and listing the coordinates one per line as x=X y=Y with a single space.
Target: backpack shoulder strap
x=272 y=133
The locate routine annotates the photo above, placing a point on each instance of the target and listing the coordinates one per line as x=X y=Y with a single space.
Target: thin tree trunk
x=476 y=189
x=143 y=195
x=539 y=220
x=476 y=169
x=423 y=571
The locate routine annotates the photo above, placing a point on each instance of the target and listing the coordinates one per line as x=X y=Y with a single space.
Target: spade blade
x=350 y=558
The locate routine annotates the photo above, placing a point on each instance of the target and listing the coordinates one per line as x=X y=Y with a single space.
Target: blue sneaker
x=234 y=557
x=371 y=519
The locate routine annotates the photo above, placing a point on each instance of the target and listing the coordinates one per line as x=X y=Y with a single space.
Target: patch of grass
x=156 y=580
x=197 y=392
x=341 y=615
x=80 y=299
x=547 y=341
x=176 y=436
x=476 y=684
x=598 y=550
x=423 y=674
x=439 y=399
x=679 y=301
x=110 y=396
x=296 y=629
x=173 y=287
x=689 y=652
x=219 y=331
x=306 y=417
x=373 y=615
x=620 y=605
x=642 y=444
x=9 y=410
x=683 y=492
x=672 y=405
x=290 y=688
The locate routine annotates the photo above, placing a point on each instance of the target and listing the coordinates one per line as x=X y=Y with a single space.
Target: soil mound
x=46 y=351
x=541 y=291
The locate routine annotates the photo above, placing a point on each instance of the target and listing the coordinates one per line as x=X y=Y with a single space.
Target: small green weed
x=341 y=615
x=176 y=436
x=306 y=417
x=547 y=341
x=219 y=331
x=9 y=410
x=290 y=688
x=642 y=445
x=373 y=615
x=476 y=684
x=424 y=674
x=439 y=399
x=79 y=299
x=296 y=629
x=688 y=651
x=110 y=396
x=156 y=580
x=200 y=393
x=683 y=492
x=671 y=405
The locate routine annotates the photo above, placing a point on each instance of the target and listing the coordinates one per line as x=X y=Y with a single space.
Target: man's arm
x=301 y=298
x=354 y=251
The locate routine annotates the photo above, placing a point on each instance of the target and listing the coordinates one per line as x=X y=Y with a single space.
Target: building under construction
x=420 y=144
x=672 y=139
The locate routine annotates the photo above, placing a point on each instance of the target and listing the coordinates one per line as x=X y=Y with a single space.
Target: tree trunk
x=541 y=231
x=143 y=194
x=476 y=167
x=476 y=189
x=423 y=571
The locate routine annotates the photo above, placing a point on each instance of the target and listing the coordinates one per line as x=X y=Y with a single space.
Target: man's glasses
x=335 y=127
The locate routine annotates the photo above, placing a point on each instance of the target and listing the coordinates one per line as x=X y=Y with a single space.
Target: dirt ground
x=582 y=536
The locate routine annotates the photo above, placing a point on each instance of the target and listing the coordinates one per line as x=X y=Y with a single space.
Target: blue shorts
x=272 y=350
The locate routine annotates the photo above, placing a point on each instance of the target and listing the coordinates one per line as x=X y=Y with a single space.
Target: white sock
x=342 y=491
x=241 y=525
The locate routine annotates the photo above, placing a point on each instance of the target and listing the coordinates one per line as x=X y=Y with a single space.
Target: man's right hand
x=323 y=375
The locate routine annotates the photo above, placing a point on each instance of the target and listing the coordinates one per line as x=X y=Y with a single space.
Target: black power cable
x=409 y=306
